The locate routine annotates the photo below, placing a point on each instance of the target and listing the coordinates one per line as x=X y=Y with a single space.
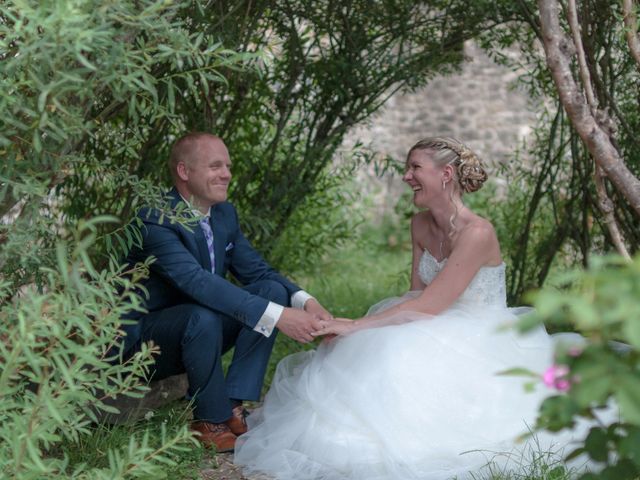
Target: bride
x=411 y=390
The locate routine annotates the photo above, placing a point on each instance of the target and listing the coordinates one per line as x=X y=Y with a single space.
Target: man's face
x=207 y=174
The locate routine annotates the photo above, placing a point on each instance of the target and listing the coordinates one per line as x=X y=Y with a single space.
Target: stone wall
x=480 y=105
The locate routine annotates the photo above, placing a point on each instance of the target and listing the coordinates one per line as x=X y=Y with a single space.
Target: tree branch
x=631 y=31
x=558 y=49
x=605 y=204
x=585 y=76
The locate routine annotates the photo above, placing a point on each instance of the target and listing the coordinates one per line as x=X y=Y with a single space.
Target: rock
x=161 y=393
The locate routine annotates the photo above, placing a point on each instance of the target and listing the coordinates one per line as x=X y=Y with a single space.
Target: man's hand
x=299 y=324
x=313 y=307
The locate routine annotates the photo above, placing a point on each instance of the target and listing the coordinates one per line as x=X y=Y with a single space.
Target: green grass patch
x=92 y=449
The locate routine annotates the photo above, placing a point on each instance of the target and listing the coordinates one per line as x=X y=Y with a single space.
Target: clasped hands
x=314 y=321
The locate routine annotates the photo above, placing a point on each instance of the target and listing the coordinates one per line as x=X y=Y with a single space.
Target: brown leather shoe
x=215 y=435
x=238 y=421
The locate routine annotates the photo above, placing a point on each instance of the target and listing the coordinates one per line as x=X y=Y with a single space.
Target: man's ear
x=183 y=171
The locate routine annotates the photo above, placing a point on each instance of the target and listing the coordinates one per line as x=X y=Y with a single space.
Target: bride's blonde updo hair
x=470 y=174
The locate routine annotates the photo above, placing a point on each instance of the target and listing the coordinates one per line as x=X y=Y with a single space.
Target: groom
x=194 y=313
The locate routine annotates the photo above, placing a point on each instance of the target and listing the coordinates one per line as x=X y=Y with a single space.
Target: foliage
x=535 y=208
x=95 y=93
x=531 y=463
x=556 y=218
x=81 y=79
x=312 y=71
x=153 y=430
x=324 y=219
x=75 y=74
x=57 y=367
x=602 y=303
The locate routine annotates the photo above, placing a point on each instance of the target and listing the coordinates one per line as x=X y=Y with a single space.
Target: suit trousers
x=193 y=338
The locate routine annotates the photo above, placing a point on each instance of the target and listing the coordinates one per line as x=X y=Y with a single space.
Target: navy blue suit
x=195 y=316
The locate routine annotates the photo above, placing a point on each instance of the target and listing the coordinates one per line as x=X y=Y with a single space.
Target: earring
x=444 y=185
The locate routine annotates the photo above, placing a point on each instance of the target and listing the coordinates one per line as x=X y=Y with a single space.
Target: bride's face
x=424 y=177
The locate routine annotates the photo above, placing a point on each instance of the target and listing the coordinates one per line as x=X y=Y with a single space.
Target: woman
x=410 y=391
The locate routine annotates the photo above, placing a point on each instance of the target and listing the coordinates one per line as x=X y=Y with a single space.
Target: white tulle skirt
x=417 y=400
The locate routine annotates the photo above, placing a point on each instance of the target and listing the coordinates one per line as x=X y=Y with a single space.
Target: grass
x=530 y=462
x=349 y=281
x=93 y=448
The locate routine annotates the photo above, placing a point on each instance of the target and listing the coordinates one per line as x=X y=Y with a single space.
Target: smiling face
x=424 y=177
x=203 y=175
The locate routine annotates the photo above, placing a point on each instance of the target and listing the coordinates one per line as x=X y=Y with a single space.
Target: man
x=195 y=314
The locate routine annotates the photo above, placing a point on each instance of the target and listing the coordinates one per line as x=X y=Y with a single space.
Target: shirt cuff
x=269 y=318
x=299 y=298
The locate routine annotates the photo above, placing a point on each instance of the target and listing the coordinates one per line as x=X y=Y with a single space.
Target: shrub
x=57 y=366
x=601 y=303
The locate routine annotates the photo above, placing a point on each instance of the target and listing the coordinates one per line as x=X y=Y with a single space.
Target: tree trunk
x=559 y=49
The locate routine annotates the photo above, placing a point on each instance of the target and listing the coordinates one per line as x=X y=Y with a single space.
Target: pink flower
x=556 y=377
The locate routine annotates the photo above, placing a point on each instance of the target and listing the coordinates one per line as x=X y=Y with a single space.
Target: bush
x=57 y=366
x=77 y=75
x=602 y=304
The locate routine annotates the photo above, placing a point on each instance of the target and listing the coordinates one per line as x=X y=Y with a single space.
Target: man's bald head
x=187 y=149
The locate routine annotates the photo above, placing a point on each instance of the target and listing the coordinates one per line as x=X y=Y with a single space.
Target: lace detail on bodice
x=486 y=288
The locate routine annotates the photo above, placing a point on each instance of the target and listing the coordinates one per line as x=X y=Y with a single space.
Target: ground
x=221 y=467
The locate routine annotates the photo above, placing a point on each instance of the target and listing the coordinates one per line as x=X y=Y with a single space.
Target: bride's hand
x=337 y=326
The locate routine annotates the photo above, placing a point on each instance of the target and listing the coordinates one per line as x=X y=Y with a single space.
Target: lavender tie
x=208 y=235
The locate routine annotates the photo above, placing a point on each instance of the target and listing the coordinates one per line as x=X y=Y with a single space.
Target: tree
x=559 y=208
x=320 y=68
x=594 y=126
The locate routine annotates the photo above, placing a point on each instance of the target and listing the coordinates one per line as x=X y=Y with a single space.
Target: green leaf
x=520 y=372
x=171 y=99
x=37 y=143
x=557 y=412
x=596 y=444
x=42 y=100
x=594 y=390
x=575 y=454
x=628 y=397
x=623 y=470
x=630 y=446
x=584 y=314
x=631 y=329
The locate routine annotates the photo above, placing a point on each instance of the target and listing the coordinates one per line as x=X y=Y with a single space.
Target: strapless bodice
x=487 y=287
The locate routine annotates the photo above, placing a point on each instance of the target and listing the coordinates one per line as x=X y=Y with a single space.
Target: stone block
x=161 y=392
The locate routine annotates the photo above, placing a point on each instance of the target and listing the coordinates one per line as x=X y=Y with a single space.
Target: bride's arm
x=416 y=230
x=474 y=249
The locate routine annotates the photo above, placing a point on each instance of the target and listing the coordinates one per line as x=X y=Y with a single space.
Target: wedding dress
x=415 y=400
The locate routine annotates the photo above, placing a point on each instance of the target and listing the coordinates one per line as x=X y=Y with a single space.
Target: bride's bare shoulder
x=478 y=229
x=480 y=235
x=480 y=225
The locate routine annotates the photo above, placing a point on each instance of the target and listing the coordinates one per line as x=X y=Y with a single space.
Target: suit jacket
x=181 y=272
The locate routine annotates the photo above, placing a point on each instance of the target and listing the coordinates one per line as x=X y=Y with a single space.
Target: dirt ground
x=221 y=467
